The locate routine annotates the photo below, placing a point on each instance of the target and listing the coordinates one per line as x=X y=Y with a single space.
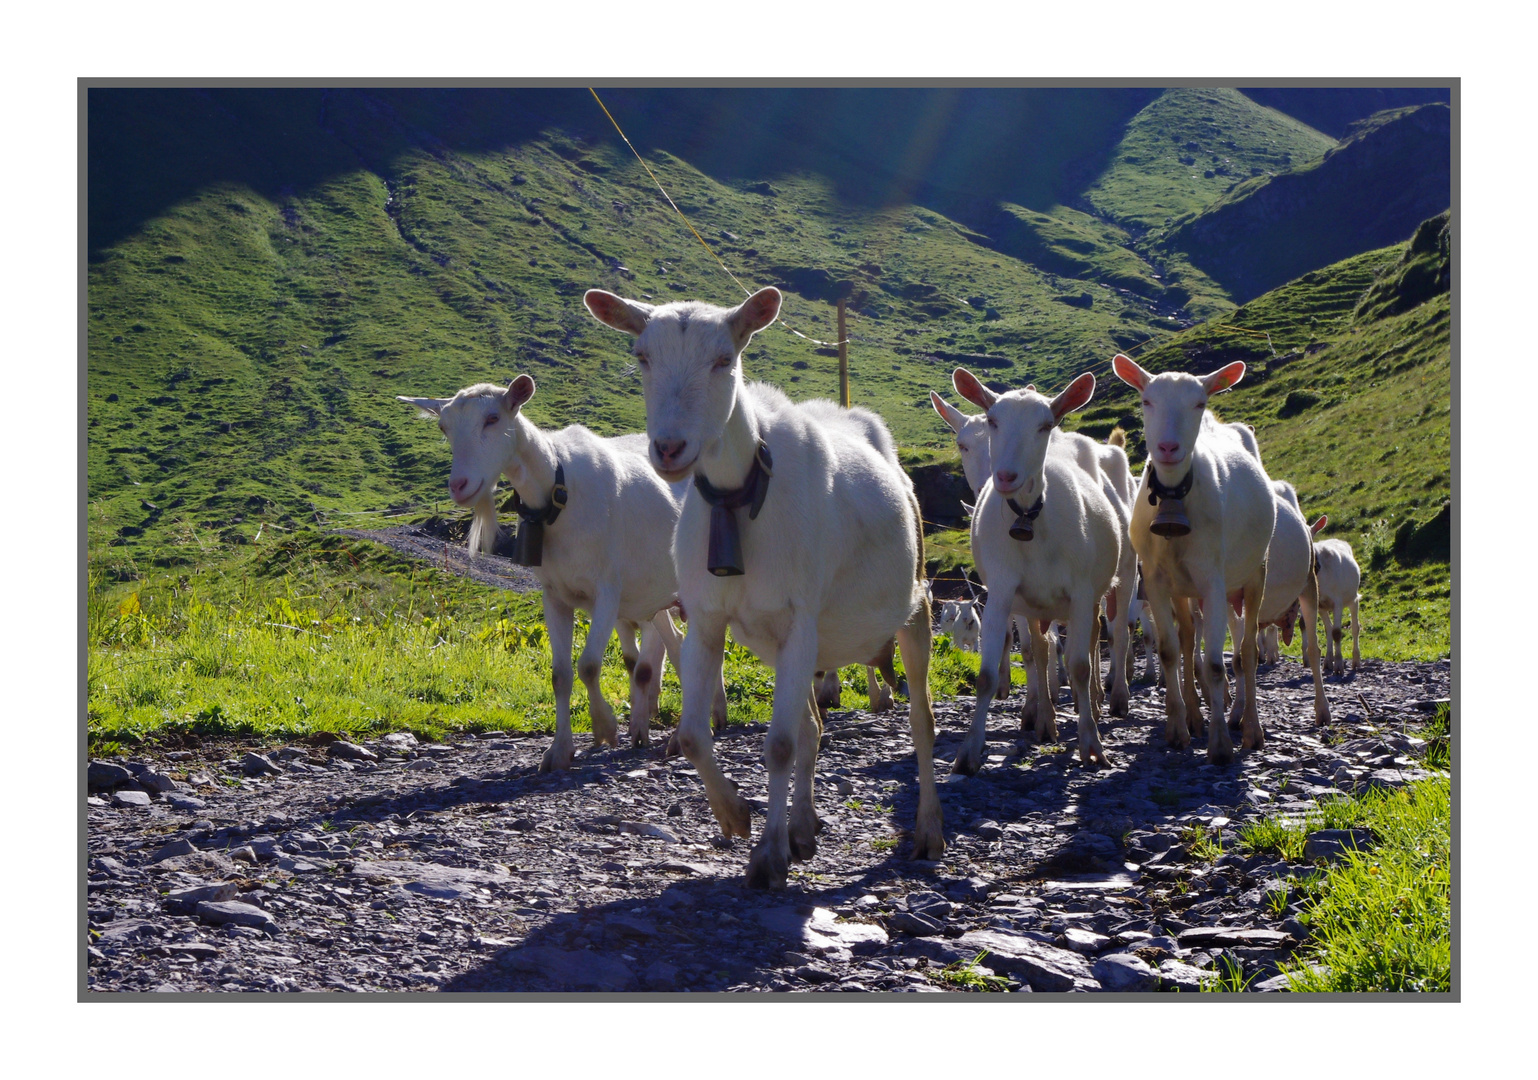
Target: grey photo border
x=87 y=83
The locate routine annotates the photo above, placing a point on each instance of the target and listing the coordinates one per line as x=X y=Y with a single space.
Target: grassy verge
x=1381 y=918
x=331 y=635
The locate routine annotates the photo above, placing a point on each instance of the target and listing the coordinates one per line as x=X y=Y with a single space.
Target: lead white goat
x=1340 y=580
x=831 y=553
x=1290 y=584
x=1232 y=513
x=1048 y=537
x=607 y=551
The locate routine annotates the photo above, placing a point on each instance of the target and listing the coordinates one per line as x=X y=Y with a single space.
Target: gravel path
x=401 y=866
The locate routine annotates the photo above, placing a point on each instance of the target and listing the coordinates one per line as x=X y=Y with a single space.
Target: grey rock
x=1086 y=942
x=431 y=879
x=1272 y=985
x=205 y=863
x=198 y=950
x=1125 y=973
x=931 y=904
x=221 y=912
x=1173 y=975
x=660 y=975
x=845 y=787
x=244 y=854
x=171 y=850
x=1297 y=929
x=421 y=764
x=254 y=764
x=154 y=780
x=399 y=740
x=914 y=924
x=122 y=929
x=813 y=974
x=522 y=824
x=1205 y=937
x=350 y=751
x=104 y=776
x=676 y=810
x=645 y=828
x=1044 y=967
x=987 y=829
x=185 y=802
x=131 y=798
x=819 y=931
x=186 y=901
x=570 y=969
x=1333 y=844
x=973 y=890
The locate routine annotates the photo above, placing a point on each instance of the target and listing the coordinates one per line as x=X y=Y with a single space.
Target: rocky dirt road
x=408 y=867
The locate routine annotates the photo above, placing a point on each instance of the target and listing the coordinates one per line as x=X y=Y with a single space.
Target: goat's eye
x=1147 y=404
x=722 y=363
x=642 y=362
x=1200 y=405
x=994 y=424
x=1046 y=428
x=492 y=419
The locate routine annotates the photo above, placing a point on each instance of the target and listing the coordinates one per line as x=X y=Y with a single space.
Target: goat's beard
x=483 y=525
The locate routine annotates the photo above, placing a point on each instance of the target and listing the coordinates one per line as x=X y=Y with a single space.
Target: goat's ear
x=616 y=311
x=1324 y=519
x=1224 y=377
x=968 y=387
x=1128 y=371
x=753 y=314
x=1075 y=397
x=948 y=412
x=429 y=406
x=969 y=508
x=519 y=391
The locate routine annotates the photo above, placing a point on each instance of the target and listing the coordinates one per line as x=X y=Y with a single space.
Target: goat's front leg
x=1356 y=634
x=1236 y=631
x=1083 y=663
x=558 y=624
x=1309 y=602
x=969 y=756
x=590 y=665
x=914 y=641
x=794 y=667
x=1189 y=626
x=1174 y=637
x=1248 y=657
x=1002 y=693
x=1214 y=674
x=700 y=673
x=1044 y=653
x=1116 y=602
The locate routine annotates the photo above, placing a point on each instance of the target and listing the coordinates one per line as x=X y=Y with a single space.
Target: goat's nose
x=457 y=486
x=1006 y=476
x=1168 y=447
x=669 y=450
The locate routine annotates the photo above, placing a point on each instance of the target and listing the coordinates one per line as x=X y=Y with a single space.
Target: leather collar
x=1158 y=492
x=753 y=490
x=553 y=506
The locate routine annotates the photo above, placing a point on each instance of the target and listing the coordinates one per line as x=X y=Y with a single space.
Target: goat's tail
x=1118 y=437
x=483 y=526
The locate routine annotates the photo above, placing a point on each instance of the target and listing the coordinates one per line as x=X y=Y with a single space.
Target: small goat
x=1339 y=581
x=958 y=618
x=824 y=556
x=1048 y=539
x=623 y=577
x=1211 y=474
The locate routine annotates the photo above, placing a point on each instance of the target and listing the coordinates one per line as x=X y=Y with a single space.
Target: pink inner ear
x=1128 y=371
x=968 y=387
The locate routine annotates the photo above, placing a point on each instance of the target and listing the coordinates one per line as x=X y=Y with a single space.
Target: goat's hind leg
x=804 y=822
x=590 y=666
x=914 y=641
x=700 y=673
x=558 y=624
x=646 y=682
x=969 y=757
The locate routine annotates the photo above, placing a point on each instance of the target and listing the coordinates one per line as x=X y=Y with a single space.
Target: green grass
x=963 y=975
x=1382 y=921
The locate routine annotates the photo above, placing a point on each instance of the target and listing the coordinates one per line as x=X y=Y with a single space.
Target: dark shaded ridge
x=1333 y=110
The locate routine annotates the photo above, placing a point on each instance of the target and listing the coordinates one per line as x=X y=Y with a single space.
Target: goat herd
x=794 y=525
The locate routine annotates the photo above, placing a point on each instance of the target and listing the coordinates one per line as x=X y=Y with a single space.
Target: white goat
x=607 y=524
x=1339 y=581
x=958 y=618
x=830 y=545
x=1232 y=513
x=1048 y=538
x=1290 y=585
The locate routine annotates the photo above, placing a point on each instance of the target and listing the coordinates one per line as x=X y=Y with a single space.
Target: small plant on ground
x=1231 y=978
x=963 y=975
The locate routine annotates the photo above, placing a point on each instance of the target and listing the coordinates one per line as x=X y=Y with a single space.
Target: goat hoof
x=1121 y=704
x=767 y=868
x=969 y=760
x=1255 y=740
x=929 y=835
x=557 y=758
x=672 y=749
x=803 y=840
x=640 y=736
x=1220 y=753
x=1001 y=694
x=1178 y=737
x=735 y=818
x=1093 y=757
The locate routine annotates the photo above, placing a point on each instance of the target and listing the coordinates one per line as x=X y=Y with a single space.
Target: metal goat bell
x=529 y=544
x=1024 y=528
x=725 y=557
x=1171 y=519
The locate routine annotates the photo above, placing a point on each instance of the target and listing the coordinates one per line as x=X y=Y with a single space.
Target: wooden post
x=843 y=359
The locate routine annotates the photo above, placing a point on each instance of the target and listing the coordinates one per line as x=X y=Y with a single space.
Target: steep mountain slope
x=1333 y=110
x=1392 y=171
